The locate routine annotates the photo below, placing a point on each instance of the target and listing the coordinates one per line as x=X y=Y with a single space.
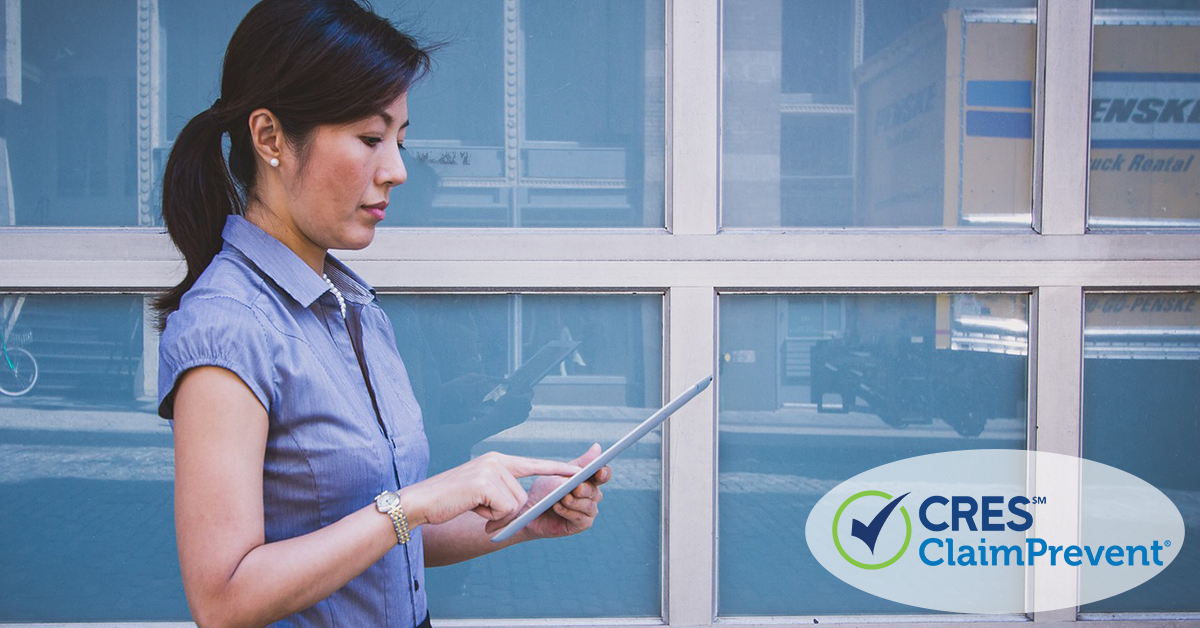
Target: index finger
x=521 y=467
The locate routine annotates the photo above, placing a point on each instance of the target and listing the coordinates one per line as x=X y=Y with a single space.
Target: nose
x=391 y=171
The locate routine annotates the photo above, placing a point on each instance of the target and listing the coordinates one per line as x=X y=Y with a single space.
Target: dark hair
x=302 y=60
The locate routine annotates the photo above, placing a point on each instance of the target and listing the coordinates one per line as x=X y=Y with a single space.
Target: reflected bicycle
x=18 y=368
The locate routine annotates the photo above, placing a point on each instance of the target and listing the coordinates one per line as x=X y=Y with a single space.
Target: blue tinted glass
x=531 y=120
x=1141 y=406
x=595 y=363
x=86 y=473
x=68 y=152
x=86 y=465
x=527 y=119
x=878 y=114
x=1144 y=114
x=815 y=389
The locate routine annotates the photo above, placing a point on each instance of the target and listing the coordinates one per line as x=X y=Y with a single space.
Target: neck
x=283 y=230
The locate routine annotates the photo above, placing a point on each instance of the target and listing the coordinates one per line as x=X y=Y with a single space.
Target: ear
x=266 y=135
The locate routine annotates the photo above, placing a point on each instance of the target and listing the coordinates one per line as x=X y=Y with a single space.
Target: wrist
x=413 y=510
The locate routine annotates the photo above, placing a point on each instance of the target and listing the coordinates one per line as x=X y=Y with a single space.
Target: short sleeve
x=215 y=331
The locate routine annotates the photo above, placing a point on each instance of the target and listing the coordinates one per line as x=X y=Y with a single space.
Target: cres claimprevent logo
x=964 y=531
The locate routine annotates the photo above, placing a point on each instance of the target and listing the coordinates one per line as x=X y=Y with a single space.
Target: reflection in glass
x=87 y=430
x=1141 y=414
x=85 y=465
x=68 y=144
x=529 y=120
x=1145 y=114
x=815 y=389
x=878 y=114
x=544 y=376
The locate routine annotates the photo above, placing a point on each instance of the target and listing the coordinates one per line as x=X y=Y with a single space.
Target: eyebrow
x=388 y=120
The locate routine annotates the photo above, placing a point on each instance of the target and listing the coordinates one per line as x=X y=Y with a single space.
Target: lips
x=378 y=210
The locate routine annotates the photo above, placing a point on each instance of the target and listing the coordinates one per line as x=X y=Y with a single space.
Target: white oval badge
x=969 y=532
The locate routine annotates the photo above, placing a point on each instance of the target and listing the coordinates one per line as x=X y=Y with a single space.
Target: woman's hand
x=486 y=485
x=573 y=514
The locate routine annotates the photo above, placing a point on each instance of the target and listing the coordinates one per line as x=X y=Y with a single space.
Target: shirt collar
x=352 y=286
x=287 y=270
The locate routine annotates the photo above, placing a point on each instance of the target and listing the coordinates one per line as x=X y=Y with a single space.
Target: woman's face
x=342 y=190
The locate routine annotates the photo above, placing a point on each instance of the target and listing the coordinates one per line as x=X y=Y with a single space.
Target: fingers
x=577 y=502
x=502 y=498
x=517 y=491
x=588 y=455
x=579 y=511
x=508 y=496
x=588 y=490
x=493 y=525
x=523 y=467
x=602 y=476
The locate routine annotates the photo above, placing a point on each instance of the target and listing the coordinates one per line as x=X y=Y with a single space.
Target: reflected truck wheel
x=969 y=424
x=894 y=419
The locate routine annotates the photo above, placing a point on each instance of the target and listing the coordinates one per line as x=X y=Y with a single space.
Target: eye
x=401 y=145
x=371 y=141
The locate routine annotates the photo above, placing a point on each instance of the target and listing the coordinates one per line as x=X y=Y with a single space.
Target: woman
x=300 y=491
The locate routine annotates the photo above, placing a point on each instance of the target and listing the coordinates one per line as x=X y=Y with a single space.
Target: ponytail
x=198 y=194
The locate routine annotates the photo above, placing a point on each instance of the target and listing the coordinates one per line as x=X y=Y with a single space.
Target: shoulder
x=220 y=322
x=224 y=305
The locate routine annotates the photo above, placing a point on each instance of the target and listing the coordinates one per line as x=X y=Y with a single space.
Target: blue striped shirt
x=344 y=425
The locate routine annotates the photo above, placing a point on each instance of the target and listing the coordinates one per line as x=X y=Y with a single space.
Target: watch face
x=387 y=501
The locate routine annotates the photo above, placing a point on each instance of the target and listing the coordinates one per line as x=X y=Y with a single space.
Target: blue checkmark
x=870 y=533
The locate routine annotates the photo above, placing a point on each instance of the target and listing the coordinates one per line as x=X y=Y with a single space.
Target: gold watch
x=388 y=503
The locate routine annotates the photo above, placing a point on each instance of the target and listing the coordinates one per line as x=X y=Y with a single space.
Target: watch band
x=399 y=521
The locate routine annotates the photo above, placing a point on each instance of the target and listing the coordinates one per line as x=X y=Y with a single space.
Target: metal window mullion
x=151 y=105
x=690 y=460
x=98 y=246
x=641 y=274
x=1058 y=416
x=1064 y=106
x=514 y=94
x=693 y=99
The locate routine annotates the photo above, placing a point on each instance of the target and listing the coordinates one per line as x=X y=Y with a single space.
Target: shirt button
x=416 y=585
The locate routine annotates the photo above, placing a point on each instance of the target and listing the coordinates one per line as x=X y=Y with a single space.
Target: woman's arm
x=232 y=577
x=461 y=538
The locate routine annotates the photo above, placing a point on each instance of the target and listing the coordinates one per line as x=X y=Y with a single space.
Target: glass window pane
x=878 y=114
x=77 y=417
x=603 y=361
x=68 y=151
x=530 y=121
x=815 y=389
x=526 y=120
x=1145 y=115
x=86 y=466
x=1141 y=414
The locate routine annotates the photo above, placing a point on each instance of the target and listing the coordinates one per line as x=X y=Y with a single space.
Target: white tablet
x=601 y=460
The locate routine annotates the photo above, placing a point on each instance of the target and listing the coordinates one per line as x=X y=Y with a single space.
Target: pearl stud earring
x=275 y=162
